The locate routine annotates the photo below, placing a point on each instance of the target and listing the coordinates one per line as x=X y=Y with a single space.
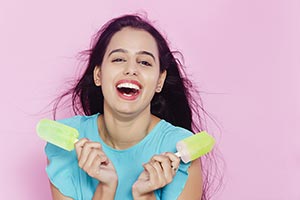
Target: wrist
x=148 y=196
x=112 y=185
x=105 y=191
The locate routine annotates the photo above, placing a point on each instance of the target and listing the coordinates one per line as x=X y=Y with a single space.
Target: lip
x=130 y=81
x=131 y=97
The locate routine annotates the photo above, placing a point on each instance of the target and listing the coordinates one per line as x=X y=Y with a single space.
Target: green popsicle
x=194 y=146
x=57 y=133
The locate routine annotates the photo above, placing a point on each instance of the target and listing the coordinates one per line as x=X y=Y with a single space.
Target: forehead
x=133 y=40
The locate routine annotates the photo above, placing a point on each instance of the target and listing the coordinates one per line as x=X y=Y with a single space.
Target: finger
x=175 y=160
x=152 y=174
x=172 y=157
x=162 y=165
x=158 y=159
x=95 y=155
x=94 y=162
x=168 y=171
x=90 y=159
x=79 y=145
x=95 y=167
x=87 y=148
x=157 y=166
x=92 y=166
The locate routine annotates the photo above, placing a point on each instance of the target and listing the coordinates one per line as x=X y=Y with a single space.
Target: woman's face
x=130 y=73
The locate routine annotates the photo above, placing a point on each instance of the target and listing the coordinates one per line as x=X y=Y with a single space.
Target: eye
x=145 y=63
x=118 y=60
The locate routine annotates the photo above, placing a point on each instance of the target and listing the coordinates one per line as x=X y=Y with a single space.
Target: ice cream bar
x=57 y=133
x=194 y=146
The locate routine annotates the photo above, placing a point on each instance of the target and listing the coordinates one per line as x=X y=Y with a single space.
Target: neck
x=122 y=133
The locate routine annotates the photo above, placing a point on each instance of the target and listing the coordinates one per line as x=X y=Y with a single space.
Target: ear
x=161 y=81
x=97 y=75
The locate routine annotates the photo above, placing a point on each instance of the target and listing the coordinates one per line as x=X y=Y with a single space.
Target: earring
x=158 y=89
x=97 y=82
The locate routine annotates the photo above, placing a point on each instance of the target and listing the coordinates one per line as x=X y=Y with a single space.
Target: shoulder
x=169 y=130
x=169 y=135
x=63 y=169
x=78 y=120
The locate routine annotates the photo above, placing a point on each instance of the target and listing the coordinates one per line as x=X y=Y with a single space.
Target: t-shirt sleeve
x=62 y=166
x=175 y=188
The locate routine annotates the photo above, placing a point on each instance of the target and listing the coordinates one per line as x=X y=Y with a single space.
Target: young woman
x=137 y=105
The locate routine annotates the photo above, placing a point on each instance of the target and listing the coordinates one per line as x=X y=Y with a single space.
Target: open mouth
x=128 y=89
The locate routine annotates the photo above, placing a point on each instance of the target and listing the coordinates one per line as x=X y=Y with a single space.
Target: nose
x=131 y=69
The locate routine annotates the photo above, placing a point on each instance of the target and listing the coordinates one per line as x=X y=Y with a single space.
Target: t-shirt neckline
x=145 y=139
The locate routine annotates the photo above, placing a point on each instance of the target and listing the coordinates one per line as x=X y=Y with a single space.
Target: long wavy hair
x=178 y=103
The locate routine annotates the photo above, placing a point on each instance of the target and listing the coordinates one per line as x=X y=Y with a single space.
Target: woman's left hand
x=158 y=172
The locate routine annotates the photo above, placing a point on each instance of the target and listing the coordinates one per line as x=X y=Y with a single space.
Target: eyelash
x=118 y=60
x=143 y=62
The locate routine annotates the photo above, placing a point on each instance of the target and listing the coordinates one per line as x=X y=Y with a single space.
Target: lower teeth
x=127 y=92
x=128 y=95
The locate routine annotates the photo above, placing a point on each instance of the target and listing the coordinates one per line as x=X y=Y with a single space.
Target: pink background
x=243 y=55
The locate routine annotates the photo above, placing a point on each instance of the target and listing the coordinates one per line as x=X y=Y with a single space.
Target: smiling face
x=130 y=73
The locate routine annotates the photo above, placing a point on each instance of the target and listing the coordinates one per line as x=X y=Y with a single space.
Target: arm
x=102 y=192
x=194 y=181
x=57 y=195
x=94 y=162
x=158 y=172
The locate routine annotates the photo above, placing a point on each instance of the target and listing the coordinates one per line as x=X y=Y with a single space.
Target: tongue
x=127 y=91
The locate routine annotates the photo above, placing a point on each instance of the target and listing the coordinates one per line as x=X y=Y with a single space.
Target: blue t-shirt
x=65 y=174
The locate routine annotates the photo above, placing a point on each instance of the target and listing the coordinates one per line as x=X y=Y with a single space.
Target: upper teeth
x=128 y=85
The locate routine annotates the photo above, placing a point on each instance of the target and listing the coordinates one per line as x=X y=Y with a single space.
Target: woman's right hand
x=95 y=163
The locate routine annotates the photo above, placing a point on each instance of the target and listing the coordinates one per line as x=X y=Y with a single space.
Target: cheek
x=153 y=81
x=107 y=74
x=106 y=80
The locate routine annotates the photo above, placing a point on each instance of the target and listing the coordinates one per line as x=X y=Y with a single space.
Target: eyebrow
x=118 y=50
x=139 y=53
x=146 y=53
